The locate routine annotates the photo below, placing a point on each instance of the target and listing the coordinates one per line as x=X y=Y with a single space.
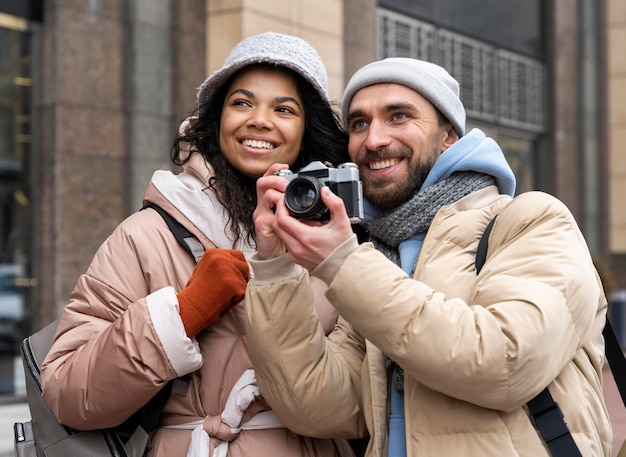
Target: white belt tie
x=242 y=394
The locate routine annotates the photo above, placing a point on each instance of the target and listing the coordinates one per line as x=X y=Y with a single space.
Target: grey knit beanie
x=272 y=48
x=427 y=79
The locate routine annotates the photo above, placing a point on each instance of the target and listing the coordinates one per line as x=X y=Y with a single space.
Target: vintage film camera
x=303 y=198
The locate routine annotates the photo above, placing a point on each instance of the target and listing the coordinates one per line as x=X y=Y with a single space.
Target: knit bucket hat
x=427 y=79
x=270 y=48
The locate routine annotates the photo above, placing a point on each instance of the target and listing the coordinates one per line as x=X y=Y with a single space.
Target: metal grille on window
x=400 y=36
x=496 y=85
x=520 y=91
x=472 y=64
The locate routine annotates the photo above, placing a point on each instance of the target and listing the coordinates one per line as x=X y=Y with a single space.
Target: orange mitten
x=217 y=284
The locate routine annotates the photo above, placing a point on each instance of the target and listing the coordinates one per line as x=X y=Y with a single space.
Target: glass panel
x=519 y=154
x=15 y=212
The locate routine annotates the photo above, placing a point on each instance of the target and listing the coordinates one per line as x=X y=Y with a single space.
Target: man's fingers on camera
x=275 y=167
x=285 y=225
x=266 y=202
x=280 y=209
x=334 y=203
x=270 y=183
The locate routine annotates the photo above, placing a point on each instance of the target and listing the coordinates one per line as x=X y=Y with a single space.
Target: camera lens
x=303 y=198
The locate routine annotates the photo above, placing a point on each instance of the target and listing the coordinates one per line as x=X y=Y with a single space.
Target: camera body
x=302 y=196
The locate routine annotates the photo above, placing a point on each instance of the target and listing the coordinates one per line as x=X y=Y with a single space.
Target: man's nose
x=377 y=136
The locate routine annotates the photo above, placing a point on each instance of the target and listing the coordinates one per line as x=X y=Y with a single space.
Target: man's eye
x=359 y=124
x=399 y=116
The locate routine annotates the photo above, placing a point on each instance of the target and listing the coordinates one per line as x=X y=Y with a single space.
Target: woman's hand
x=217 y=283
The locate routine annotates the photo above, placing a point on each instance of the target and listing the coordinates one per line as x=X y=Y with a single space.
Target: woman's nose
x=260 y=119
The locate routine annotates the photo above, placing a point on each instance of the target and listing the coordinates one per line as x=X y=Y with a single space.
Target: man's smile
x=383 y=163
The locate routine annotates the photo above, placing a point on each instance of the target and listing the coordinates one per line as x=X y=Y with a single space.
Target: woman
x=145 y=314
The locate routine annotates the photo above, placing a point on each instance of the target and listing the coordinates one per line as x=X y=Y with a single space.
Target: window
x=497 y=86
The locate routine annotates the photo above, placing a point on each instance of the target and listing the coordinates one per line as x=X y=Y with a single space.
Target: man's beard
x=390 y=192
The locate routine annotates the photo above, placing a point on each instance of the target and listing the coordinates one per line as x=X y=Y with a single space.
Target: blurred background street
x=92 y=92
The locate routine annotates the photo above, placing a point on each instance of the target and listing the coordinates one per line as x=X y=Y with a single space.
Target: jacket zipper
x=18 y=429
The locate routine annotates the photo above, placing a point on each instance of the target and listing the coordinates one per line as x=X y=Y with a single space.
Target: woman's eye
x=285 y=109
x=241 y=103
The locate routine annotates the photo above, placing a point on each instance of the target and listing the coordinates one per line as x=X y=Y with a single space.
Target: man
x=429 y=357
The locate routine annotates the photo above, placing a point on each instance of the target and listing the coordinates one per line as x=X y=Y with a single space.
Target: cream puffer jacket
x=121 y=338
x=474 y=348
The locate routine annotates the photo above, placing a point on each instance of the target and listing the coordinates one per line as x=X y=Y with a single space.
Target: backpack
x=43 y=435
x=546 y=414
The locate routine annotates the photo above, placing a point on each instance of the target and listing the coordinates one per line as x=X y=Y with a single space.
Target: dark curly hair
x=324 y=139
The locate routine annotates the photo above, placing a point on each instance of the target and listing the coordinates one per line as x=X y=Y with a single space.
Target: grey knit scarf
x=415 y=216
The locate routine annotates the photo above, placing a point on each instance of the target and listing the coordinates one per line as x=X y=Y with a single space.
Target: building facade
x=92 y=93
x=616 y=123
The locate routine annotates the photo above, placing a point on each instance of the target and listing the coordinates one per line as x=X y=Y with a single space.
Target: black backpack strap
x=615 y=357
x=548 y=419
x=481 y=252
x=147 y=417
x=184 y=237
x=545 y=413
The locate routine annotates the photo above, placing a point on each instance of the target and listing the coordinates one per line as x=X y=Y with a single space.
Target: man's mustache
x=381 y=154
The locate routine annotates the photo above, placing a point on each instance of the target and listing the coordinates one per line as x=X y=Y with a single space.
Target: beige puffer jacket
x=121 y=339
x=475 y=348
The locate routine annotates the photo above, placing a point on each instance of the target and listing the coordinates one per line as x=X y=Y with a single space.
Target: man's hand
x=269 y=190
x=310 y=242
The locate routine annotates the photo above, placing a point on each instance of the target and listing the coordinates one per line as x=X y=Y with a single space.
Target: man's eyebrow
x=399 y=106
x=355 y=113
